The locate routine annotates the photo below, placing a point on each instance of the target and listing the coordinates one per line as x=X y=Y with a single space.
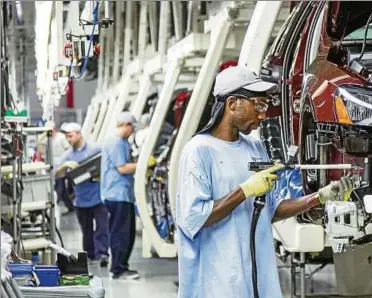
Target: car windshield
x=359 y=34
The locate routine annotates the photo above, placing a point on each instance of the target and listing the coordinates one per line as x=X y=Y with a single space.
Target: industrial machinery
x=27 y=187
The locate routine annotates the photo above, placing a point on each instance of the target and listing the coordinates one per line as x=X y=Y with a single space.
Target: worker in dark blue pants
x=122 y=225
x=95 y=242
x=117 y=193
x=88 y=204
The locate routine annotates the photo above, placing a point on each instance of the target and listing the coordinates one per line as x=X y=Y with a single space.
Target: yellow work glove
x=337 y=190
x=262 y=182
x=151 y=162
x=62 y=169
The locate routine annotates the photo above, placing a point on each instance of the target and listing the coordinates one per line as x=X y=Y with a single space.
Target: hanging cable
x=258 y=204
x=95 y=23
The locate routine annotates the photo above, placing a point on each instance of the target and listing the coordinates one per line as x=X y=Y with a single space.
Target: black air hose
x=57 y=231
x=365 y=38
x=259 y=204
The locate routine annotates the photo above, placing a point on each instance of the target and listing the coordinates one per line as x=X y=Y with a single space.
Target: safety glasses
x=260 y=105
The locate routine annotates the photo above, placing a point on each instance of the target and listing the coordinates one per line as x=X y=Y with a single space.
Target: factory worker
x=215 y=194
x=91 y=213
x=117 y=182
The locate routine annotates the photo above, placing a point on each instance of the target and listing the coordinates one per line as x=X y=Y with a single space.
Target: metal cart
x=31 y=193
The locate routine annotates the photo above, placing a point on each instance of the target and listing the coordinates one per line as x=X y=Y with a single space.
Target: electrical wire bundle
x=85 y=64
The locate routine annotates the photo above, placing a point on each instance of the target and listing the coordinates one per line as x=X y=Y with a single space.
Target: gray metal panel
x=354 y=271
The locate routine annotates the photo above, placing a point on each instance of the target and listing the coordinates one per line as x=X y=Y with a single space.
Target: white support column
x=163 y=26
x=74 y=16
x=108 y=55
x=153 y=24
x=112 y=101
x=107 y=9
x=145 y=81
x=192 y=16
x=92 y=120
x=101 y=60
x=142 y=31
x=178 y=21
x=258 y=34
x=163 y=248
x=128 y=34
x=123 y=97
x=60 y=37
x=197 y=102
x=143 y=91
x=87 y=120
x=101 y=117
x=118 y=39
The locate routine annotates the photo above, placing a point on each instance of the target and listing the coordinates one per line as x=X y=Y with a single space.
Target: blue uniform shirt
x=215 y=261
x=87 y=194
x=115 y=186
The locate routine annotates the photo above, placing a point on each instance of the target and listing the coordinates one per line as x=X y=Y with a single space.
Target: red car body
x=310 y=61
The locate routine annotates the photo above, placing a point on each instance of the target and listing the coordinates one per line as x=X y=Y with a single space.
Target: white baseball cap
x=128 y=118
x=238 y=77
x=71 y=127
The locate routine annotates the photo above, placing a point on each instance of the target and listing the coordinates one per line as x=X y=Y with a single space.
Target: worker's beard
x=239 y=116
x=239 y=112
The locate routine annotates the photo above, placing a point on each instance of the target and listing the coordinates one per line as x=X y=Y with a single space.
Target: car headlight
x=358 y=104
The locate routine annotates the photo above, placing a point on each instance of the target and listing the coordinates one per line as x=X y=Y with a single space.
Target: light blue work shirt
x=215 y=261
x=87 y=194
x=115 y=186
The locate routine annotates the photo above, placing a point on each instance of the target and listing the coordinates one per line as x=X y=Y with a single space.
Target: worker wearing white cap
x=117 y=182
x=215 y=194
x=89 y=207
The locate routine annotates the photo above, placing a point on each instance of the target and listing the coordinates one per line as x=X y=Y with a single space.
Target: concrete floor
x=158 y=275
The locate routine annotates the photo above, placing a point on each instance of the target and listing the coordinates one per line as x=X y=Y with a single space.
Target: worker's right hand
x=262 y=182
x=62 y=169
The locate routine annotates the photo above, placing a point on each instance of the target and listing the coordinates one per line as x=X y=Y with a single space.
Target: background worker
x=215 y=195
x=117 y=193
x=59 y=147
x=89 y=208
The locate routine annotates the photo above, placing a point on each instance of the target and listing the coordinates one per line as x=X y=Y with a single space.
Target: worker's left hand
x=337 y=190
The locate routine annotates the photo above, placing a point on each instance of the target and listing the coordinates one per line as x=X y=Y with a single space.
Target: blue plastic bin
x=48 y=275
x=22 y=273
